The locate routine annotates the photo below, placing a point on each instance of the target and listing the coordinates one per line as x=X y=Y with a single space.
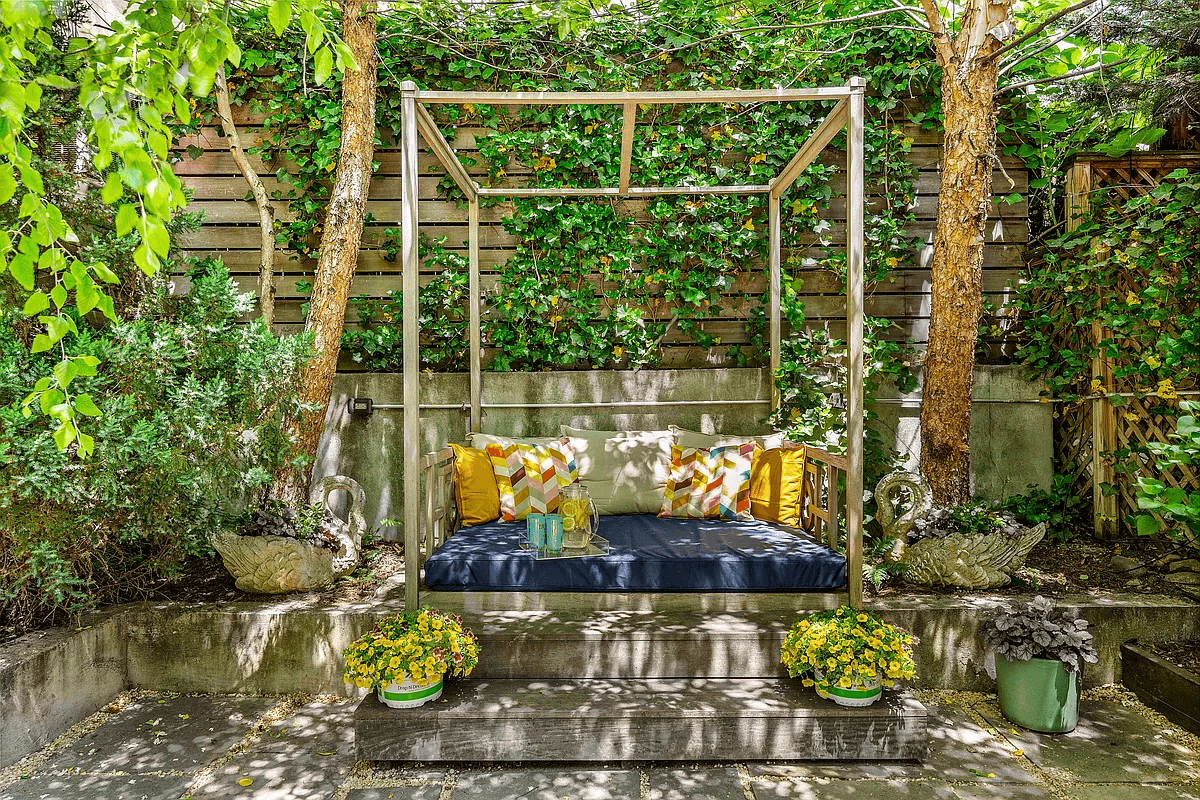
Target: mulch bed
x=1183 y=654
x=1078 y=566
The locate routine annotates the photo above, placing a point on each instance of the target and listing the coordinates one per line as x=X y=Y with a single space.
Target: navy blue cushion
x=649 y=554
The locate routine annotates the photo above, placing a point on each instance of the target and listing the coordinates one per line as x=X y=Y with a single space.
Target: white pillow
x=625 y=472
x=695 y=439
x=481 y=440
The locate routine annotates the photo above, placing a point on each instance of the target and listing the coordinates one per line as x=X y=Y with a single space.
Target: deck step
x=640 y=720
x=624 y=644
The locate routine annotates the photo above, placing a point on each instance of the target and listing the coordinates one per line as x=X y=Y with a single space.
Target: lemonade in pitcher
x=580 y=517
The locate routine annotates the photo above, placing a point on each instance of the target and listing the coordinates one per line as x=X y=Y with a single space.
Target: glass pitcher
x=580 y=517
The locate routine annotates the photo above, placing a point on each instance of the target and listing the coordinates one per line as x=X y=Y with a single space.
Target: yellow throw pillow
x=777 y=486
x=475 y=490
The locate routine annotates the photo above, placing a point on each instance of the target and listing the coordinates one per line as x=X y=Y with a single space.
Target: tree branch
x=266 y=213
x=772 y=28
x=1075 y=73
x=916 y=15
x=1041 y=26
x=937 y=26
x=1058 y=37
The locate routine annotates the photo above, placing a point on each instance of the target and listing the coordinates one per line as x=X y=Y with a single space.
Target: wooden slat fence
x=230 y=231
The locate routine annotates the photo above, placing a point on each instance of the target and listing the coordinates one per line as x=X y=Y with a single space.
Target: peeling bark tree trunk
x=339 y=241
x=266 y=212
x=969 y=81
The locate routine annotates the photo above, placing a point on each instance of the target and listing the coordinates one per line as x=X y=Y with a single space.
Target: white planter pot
x=859 y=695
x=409 y=694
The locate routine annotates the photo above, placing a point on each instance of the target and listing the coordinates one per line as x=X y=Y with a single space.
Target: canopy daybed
x=728 y=559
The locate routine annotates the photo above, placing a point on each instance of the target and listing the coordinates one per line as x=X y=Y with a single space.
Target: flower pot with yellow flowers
x=406 y=656
x=848 y=655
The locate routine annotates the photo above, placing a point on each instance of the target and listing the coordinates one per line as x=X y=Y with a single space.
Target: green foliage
x=444 y=317
x=1157 y=497
x=192 y=429
x=127 y=88
x=1063 y=511
x=593 y=284
x=1133 y=269
x=972 y=519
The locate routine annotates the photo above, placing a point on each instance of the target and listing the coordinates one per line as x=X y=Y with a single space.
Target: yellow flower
x=845 y=683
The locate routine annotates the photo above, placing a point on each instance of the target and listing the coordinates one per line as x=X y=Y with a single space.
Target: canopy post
x=476 y=338
x=775 y=301
x=855 y=185
x=409 y=221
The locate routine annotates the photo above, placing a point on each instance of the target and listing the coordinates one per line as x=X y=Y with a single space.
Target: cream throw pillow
x=481 y=440
x=625 y=472
x=695 y=439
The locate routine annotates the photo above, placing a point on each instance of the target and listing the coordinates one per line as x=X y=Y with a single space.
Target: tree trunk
x=266 y=212
x=969 y=78
x=340 y=241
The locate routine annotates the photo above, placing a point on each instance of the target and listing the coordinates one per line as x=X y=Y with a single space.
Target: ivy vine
x=594 y=283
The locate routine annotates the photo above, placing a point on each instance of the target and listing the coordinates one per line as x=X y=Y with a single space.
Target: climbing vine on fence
x=1132 y=271
x=593 y=283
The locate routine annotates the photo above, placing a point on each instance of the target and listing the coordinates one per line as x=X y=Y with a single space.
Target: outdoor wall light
x=361 y=406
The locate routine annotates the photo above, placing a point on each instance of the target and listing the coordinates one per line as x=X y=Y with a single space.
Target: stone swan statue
x=895 y=529
x=970 y=561
x=278 y=564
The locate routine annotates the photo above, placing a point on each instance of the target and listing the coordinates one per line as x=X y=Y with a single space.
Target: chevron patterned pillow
x=529 y=476
x=709 y=483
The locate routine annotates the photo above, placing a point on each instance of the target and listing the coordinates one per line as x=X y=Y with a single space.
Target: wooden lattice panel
x=1138 y=421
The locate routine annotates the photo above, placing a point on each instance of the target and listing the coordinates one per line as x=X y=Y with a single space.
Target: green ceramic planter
x=1038 y=694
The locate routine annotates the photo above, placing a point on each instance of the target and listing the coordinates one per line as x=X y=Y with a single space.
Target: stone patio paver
x=179 y=734
x=827 y=789
x=98 y=787
x=695 y=784
x=1115 y=754
x=316 y=727
x=548 y=784
x=1157 y=791
x=997 y=791
x=959 y=750
x=277 y=775
x=1112 y=744
x=427 y=792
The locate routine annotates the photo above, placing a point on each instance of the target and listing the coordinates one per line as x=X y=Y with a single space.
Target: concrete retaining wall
x=1011 y=432
x=52 y=679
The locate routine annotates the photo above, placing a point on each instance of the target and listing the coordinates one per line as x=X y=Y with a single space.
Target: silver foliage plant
x=1038 y=631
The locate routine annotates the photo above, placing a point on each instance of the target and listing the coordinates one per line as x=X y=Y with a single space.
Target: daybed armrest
x=821 y=507
x=440 y=519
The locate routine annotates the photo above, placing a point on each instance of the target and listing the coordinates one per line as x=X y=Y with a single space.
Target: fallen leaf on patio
x=245 y=781
x=326 y=753
x=184 y=716
x=1018 y=753
x=1012 y=731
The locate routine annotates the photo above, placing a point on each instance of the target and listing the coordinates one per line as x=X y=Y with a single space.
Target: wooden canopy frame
x=849 y=113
